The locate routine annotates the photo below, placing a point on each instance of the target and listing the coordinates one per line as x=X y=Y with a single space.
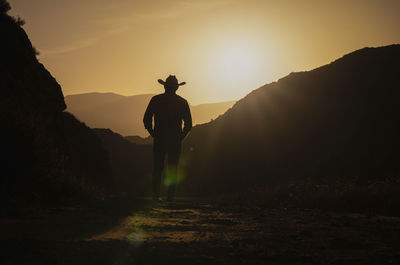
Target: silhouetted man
x=168 y=110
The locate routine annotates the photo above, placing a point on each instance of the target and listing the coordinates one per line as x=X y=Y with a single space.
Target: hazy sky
x=223 y=49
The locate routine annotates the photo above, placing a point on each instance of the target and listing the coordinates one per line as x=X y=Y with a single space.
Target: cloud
x=107 y=26
x=84 y=42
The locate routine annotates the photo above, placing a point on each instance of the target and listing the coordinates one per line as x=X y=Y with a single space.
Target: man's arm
x=187 y=120
x=148 y=118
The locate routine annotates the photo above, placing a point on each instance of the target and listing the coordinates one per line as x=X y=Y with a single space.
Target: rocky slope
x=340 y=120
x=46 y=153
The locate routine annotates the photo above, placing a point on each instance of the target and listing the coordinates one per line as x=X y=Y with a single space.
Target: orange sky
x=223 y=49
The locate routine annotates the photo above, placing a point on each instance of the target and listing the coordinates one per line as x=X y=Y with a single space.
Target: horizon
x=237 y=47
x=234 y=100
x=146 y=94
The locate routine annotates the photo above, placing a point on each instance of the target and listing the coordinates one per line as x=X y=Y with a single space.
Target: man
x=168 y=110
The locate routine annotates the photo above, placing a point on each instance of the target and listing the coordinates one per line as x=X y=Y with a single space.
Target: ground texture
x=188 y=232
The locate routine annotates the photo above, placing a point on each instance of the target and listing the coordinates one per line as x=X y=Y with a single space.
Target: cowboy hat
x=170 y=81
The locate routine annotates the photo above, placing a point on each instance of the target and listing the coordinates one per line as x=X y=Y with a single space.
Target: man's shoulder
x=181 y=99
x=164 y=97
x=155 y=97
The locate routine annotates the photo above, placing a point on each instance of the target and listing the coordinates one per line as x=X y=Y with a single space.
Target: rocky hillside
x=131 y=163
x=46 y=153
x=340 y=120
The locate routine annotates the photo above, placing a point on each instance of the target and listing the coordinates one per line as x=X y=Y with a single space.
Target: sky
x=223 y=49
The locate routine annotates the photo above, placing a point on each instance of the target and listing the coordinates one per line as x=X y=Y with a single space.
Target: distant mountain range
x=124 y=114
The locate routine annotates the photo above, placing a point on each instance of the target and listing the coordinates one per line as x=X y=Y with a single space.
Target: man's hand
x=151 y=132
x=183 y=135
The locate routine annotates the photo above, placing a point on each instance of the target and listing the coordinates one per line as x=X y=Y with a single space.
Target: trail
x=194 y=232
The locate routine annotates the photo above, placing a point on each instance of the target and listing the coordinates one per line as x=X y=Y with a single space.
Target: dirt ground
x=124 y=231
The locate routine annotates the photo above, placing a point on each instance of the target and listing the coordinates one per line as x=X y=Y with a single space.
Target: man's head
x=171 y=84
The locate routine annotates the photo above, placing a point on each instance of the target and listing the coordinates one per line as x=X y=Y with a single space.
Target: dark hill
x=130 y=163
x=339 y=120
x=46 y=153
x=139 y=140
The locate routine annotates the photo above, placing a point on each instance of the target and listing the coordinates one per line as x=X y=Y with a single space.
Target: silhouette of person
x=168 y=110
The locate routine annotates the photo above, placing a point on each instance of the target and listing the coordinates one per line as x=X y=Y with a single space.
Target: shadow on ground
x=127 y=231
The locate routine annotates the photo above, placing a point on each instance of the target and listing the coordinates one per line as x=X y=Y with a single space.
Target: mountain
x=204 y=113
x=46 y=153
x=341 y=120
x=131 y=163
x=124 y=114
x=139 y=140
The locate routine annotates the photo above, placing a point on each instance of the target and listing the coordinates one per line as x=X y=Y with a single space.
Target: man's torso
x=169 y=110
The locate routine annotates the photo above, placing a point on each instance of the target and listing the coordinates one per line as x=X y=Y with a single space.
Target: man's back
x=169 y=110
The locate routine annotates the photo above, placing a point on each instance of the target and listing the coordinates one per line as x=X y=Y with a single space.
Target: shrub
x=20 y=21
x=4 y=7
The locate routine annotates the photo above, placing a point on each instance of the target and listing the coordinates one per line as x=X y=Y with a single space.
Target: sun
x=238 y=62
x=235 y=66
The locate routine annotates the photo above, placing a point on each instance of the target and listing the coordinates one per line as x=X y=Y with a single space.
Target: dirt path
x=192 y=232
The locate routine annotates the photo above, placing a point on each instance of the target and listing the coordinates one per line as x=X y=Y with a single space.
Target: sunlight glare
x=237 y=66
x=237 y=62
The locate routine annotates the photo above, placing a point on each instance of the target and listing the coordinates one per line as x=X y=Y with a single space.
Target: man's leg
x=173 y=160
x=158 y=166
